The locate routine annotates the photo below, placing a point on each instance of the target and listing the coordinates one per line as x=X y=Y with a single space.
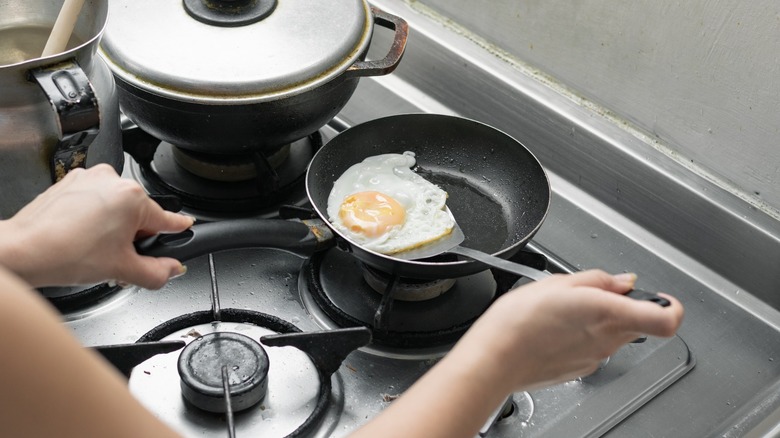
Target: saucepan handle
x=302 y=238
x=387 y=64
x=78 y=117
x=535 y=274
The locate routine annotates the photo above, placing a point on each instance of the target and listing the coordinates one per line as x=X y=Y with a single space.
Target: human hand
x=561 y=328
x=81 y=231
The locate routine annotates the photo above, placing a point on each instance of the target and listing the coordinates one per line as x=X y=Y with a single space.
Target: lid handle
x=229 y=13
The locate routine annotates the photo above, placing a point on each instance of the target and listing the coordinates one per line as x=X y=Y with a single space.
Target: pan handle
x=302 y=238
x=535 y=274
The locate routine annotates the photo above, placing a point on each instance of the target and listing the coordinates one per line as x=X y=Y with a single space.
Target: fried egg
x=383 y=205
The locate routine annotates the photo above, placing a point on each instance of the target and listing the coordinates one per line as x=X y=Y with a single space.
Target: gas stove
x=618 y=203
x=271 y=309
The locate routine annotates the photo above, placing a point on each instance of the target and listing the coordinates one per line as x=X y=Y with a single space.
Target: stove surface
x=267 y=281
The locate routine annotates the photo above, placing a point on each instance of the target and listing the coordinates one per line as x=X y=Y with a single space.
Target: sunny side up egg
x=383 y=205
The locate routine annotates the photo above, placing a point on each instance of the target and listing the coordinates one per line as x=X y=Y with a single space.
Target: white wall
x=703 y=76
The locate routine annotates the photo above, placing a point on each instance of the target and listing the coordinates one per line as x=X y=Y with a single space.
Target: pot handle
x=302 y=238
x=78 y=117
x=387 y=64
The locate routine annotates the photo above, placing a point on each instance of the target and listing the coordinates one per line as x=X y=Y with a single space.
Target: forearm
x=51 y=385
x=452 y=400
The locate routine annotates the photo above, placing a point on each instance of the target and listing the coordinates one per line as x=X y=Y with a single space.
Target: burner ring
x=227 y=168
x=261 y=319
x=200 y=368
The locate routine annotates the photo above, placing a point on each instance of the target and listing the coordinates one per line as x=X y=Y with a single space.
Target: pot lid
x=276 y=48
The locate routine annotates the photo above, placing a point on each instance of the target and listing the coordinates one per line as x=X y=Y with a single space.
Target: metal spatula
x=451 y=244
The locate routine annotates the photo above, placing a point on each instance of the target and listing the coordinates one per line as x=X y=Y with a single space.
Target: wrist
x=481 y=374
x=14 y=251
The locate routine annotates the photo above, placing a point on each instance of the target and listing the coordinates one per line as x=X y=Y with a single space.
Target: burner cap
x=200 y=369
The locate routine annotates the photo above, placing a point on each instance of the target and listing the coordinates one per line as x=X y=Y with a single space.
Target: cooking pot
x=57 y=112
x=240 y=76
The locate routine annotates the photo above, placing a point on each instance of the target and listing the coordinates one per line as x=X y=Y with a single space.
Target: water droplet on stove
x=771 y=359
x=295 y=320
x=235 y=367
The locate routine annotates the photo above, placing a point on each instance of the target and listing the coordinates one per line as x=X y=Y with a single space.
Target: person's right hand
x=537 y=335
x=81 y=230
x=561 y=328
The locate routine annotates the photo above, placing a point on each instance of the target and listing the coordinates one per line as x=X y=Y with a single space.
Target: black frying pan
x=498 y=192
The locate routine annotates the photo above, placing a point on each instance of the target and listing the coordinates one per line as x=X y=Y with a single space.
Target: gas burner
x=214 y=186
x=230 y=168
x=292 y=400
x=333 y=289
x=407 y=289
x=221 y=362
x=69 y=299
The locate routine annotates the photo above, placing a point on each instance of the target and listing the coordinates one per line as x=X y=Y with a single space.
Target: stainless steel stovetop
x=267 y=281
x=274 y=283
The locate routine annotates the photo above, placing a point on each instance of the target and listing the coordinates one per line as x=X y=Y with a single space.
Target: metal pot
x=231 y=77
x=56 y=113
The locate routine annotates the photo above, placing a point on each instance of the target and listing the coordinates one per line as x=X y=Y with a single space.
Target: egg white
x=392 y=175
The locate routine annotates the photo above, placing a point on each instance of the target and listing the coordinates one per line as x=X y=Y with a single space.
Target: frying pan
x=497 y=190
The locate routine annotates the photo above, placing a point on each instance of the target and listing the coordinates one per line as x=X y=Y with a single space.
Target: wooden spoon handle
x=63 y=27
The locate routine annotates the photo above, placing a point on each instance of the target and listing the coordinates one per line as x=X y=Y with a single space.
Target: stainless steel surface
x=29 y=125
x=298 y=47
x=698 y=78
x=266 y=280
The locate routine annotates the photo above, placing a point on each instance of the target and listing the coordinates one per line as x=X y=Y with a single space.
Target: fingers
x=638 y=316
x=660 y=321
x=151 y=272
x=627 y=314
x=598 y=279
x=158 y=220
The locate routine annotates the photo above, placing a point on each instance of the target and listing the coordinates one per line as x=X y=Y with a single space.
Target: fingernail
x=181 y=270
x=627 y=279
x=191 y=217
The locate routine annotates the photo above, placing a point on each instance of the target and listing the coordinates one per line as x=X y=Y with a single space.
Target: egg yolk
x=371 y=213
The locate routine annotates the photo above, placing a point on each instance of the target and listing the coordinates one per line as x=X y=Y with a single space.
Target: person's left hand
x=81 y=231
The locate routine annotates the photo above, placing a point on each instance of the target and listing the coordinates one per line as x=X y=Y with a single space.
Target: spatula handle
x=535 y=274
